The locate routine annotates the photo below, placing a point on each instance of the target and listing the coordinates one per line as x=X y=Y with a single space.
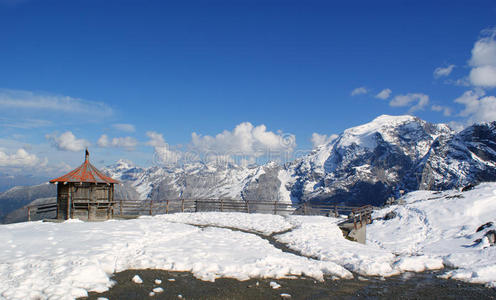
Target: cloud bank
x=483 y=60
x=478 y=107
x=67 y=141
x=420 y=100
x=163 y=155
x=20 y=159
x=127 y=143
x=246 y=139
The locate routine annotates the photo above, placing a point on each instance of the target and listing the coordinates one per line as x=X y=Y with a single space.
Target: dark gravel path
x=412 y=286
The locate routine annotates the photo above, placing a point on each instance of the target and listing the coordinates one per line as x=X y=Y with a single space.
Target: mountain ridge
x=365 y=164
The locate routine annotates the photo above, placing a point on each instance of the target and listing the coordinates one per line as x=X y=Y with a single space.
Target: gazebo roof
x=85 y=173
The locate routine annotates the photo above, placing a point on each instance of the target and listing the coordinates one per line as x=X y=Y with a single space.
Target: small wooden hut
x=85 y=193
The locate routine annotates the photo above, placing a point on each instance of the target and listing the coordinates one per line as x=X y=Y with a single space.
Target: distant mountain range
x=366 y=164
x=8 y=181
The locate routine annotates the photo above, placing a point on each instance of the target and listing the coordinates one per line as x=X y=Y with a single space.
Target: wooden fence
x=132 y=208
x=48 y=209
x=154 y=207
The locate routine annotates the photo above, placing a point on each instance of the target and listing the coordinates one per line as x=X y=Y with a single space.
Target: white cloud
x=67 y=142
x=321 y=139
x=163 y=155
x=420 y=99
x=244 y=140
x=464 y=81
x=103 y=141
x=124 y=127
x=446 y=110
x=20 y=159
x=484 y=76
x=483 y=60
x=127 y=143
x=242 y=145
x=156 y=139
x=478 y=107
x=359 y=91
x=443 y=71
x=384 y=94
x=30 y=101
x=484 y=50
x=25 y=123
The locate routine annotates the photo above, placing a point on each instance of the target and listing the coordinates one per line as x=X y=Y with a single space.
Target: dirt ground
x=182 y=285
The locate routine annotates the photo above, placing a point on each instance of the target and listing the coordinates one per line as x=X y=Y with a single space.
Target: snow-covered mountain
x=200 y=180
x=461 y=159
x=392 y=155
x=366 y=164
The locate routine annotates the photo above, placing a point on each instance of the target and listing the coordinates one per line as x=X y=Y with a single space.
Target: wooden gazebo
x=85 y=193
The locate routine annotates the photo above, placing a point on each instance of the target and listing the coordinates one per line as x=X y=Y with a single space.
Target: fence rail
x=41 y=209
x=132 y=208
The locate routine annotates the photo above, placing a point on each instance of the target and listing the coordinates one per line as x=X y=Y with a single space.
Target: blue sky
x=148 y=74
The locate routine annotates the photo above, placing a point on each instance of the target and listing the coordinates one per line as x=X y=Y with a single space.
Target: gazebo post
x=68 y=213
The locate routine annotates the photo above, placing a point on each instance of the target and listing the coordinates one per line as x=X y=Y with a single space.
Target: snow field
x=66 y=260
x=263 y=223
x=320 y=237
x=433 y=229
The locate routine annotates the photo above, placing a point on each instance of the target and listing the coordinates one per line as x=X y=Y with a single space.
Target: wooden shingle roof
x=85 y=173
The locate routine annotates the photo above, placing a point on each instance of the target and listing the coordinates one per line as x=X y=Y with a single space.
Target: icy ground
x=431 y=230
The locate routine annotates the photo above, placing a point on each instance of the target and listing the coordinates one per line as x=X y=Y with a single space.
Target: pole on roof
x=87 y=155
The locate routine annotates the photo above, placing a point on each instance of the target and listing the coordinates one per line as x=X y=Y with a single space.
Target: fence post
x=29 y=213
x=247 y=206
x=305 y=208
x=275 y=207
x=182 y=205
x=151 y=207
x=167 y=206
x=336 y=214
x=120 y=207
x=196 y=205
x=221 y=205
